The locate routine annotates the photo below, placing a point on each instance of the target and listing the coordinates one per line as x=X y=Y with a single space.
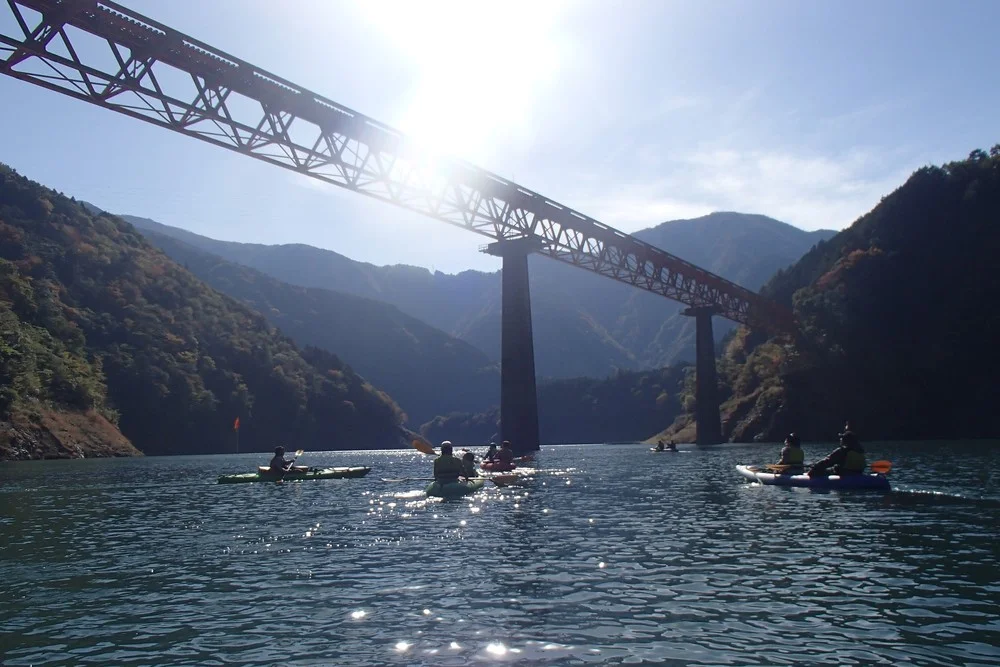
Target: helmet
x=279 y=451
x=446 y=442
x=793 y=440
x=505 y=443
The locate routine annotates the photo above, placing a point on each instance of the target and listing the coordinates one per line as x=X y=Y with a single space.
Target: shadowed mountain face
x=99 y=329
x=584 y=324
x=425 y=370
x=898 y=321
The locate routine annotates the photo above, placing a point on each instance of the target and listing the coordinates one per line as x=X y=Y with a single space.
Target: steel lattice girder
x=103 y=53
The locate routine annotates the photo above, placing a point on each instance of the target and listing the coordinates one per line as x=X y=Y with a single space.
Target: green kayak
x=263 y=475
x=454 y=490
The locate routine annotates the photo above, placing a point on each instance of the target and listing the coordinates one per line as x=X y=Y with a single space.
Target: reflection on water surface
x=608 y=554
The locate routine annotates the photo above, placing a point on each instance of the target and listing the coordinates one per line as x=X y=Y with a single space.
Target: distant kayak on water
x=264 y=474
x=869 y=481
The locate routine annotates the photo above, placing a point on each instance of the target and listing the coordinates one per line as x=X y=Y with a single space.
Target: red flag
x=236 y=424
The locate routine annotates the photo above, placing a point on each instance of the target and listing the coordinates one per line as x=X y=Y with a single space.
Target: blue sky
x=633 y=112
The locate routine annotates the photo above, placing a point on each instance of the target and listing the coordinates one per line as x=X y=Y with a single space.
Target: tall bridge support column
x=706 y=393
x=518 y=395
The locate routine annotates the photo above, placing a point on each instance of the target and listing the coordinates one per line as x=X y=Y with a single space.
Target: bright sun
x=481 y=67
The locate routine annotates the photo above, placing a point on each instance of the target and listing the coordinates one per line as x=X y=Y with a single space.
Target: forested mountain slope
x=898 y=317
x=100 y=327
x=426 y=371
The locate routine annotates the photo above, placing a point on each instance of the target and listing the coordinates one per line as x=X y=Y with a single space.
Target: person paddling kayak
x=491 y=453
x=447 y=468
x=671 y=447
x=279 y=464
x=468 y=465
x=792 y=455
x=506 y=454
x=848 y=459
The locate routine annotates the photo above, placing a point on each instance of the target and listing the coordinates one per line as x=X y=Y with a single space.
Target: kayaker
x=491 y=453
x=792 y=455
x=506 y=454
x=447 y=468
x=279 y=463
x=468 y=465
x=848 y=459
x=659 y=446
x=672 y=446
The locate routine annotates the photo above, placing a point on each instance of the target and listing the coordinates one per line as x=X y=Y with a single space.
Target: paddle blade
x=527 y=458
x=881 y=466
x=503 y=480
x=423 y=447
x=299 y=452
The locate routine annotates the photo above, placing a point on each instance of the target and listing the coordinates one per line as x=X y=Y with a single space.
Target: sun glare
x=481 y=68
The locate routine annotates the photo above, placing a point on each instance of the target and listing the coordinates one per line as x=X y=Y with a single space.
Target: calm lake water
x=609 y=554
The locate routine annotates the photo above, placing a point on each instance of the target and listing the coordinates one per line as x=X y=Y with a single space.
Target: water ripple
x=606 y=555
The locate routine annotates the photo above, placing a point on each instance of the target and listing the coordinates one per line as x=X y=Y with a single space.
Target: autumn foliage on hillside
x=94 y=318
x=898 y=317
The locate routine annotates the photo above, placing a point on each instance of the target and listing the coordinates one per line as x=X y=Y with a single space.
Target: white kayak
x=874 y=481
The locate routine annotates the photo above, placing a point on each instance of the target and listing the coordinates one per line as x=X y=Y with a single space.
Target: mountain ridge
x=397 y=352
x=104 y=337
x=586 y=324
x=898 y=328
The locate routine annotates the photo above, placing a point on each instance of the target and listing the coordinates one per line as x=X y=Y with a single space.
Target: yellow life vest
x=793 y=456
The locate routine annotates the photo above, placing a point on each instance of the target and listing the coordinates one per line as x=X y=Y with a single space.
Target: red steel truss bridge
x=108 y=55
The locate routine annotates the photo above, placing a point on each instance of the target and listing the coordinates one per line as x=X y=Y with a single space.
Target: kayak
x=497 y=466
x=661 y=451
x=455 y=489
x=873 y=481
x=264 y=474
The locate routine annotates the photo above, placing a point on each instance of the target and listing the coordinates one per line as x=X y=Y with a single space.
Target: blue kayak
x=455 y=489
x=872 y=481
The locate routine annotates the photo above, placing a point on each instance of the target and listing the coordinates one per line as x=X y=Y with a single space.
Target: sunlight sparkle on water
x=403 y=646
x=359 y=614
x=496 y=648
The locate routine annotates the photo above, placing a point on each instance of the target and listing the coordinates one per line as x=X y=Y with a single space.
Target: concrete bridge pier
x=706 y=393
x=518 y=396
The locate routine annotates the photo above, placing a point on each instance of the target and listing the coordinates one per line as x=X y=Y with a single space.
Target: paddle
x=882 y=467
x=499 y=480
x=290 y=470
x=423 y=448
x=781 y=467
x=503 y=480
